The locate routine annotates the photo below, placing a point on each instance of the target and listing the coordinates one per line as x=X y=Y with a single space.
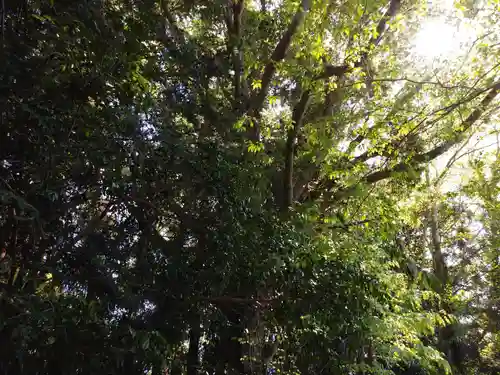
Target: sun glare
x=436 y=39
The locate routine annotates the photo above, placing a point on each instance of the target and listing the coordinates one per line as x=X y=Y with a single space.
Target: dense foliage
x=230 y=186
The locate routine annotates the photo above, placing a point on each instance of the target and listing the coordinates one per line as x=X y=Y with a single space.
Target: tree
x=214 y=186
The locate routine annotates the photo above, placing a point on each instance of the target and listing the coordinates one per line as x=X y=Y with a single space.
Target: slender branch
x=439 y=263
x=7 y=185
x=466 y=124
x=452 y=160
x=445 y=146
x=429 y=155
x=238 y=300
x=416 y=82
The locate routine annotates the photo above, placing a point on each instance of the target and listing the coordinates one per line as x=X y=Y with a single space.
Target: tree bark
x=194 y=345
x=279 y=54
x=297 y=120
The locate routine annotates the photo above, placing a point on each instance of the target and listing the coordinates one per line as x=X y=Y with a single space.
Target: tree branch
x=427 y=156
x=335 y=71
x=416 y=82
x=438 y=260
x=263 y=6
x=340 y=70
x=238 y=300
x=444 y=147
x=394 y=6
x=334 y=98
x=171 y=25
x=278 y=55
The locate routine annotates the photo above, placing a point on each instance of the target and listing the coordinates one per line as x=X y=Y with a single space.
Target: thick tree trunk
x=229 y=350
x=439 y=263
x=438 y=259
x=445 y=333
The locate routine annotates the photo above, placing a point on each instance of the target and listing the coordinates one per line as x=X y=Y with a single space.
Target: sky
x=444 y=37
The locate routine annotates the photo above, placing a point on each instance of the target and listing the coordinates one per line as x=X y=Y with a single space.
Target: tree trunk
x=438 y=260
x=194 y=344
x=439 y=263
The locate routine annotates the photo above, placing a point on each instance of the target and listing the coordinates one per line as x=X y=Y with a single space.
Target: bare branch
x=414 y=81
x=457 y=156
x=452 y=161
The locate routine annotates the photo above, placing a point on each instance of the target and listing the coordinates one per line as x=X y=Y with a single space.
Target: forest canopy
x=193 y=187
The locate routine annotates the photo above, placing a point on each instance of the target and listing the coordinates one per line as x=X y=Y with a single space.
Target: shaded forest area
x=193 y=187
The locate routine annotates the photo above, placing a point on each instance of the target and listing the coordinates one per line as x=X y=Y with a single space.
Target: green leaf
x=256 y=84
